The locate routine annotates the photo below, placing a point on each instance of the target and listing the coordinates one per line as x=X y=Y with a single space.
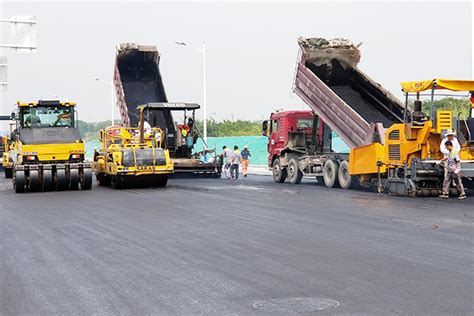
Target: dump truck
x=46 y=149
x=342 y=99
x=133 y=156
x=138 y=81
x=388 y=140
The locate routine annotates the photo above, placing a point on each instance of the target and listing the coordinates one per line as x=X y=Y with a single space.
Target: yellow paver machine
x=405 y=162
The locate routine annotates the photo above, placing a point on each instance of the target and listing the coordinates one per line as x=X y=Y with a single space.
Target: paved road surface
x=220 y=247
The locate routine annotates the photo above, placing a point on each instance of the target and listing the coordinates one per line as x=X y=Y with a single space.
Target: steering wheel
x=303 y=125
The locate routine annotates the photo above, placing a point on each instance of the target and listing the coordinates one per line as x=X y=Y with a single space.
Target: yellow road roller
x=132 y=157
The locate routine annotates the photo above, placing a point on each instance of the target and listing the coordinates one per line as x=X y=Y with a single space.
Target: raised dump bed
x=138 y=82
x=349 y=101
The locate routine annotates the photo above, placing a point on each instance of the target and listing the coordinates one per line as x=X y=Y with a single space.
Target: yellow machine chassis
x=108 y=160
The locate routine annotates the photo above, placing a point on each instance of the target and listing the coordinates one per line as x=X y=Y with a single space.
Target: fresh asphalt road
x=219 y=247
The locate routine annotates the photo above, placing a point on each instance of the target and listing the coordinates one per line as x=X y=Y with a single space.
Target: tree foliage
x=89 y=130
x=230 y=128
x=457 y=105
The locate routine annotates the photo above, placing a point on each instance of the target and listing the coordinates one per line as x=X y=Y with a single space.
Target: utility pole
x=111 y=98
x=204 y=86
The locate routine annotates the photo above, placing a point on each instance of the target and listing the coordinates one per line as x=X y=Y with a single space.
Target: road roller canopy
x=45 y=103
x=170 y=106
x=447 y=84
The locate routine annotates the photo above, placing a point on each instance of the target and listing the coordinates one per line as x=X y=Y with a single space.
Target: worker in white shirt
x=450 y=136
x=146 y=129
x=452 y=172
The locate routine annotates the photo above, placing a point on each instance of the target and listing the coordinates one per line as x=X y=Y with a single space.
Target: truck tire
x=86 y=179
x=19 y=181
x=73 y=179
x=117 y=182
x=330 y=173
x=345 y=179
x=60 y=180
x=294 y=173
x=33 y=183
x=47 y=183
x=279 y=173
x=8 y=173
x=320 y=180
x=102 y=179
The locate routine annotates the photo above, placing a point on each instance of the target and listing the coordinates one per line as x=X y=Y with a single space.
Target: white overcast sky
x=251 y=48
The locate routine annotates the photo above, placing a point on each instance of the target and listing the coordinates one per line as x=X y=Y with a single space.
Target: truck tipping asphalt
x=351 y=103
x=138 y=82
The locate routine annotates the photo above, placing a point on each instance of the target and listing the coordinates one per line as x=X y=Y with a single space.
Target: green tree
x=457 y=105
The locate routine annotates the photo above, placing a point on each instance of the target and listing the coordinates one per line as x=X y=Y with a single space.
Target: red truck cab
x=300 y=143
x=282 y=123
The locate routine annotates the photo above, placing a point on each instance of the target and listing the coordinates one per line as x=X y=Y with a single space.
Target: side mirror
x=264 y=128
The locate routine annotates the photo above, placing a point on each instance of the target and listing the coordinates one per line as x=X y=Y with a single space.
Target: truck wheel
x=33 y=181
x=116 y=182
x=345 y=179
x=19 y=181
x=86 y=179
x=330 y=171
x=294 y=173
x=279 y=173
x=8 y=173
x=47 y=183
x=102 y=180
x=73 y=179
x=60 y=180
x=320 y=180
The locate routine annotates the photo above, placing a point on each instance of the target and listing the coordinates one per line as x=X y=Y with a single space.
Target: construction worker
x=245 y=159
x=146 y=129
x=234 y=169
x=452 y=171
x=228 y=155
x=450 y=136
x=32 y=119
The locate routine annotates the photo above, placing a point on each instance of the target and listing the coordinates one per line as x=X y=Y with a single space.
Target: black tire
x=294 y=173
x=160 y=181
x=19 y=181
x=73 y=179
x=34 y=184
x=279 y=173
x=345 y=180
x=86 y=179
x=8 y=173
x=102 y=179
x=116 y=182
x=320 y=180
x=47 y=183
x=330 y=173
x=60 y=180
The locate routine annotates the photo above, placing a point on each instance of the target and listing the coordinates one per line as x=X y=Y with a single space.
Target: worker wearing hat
x=451 y=136
x=245 y=159
x=450 y=148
